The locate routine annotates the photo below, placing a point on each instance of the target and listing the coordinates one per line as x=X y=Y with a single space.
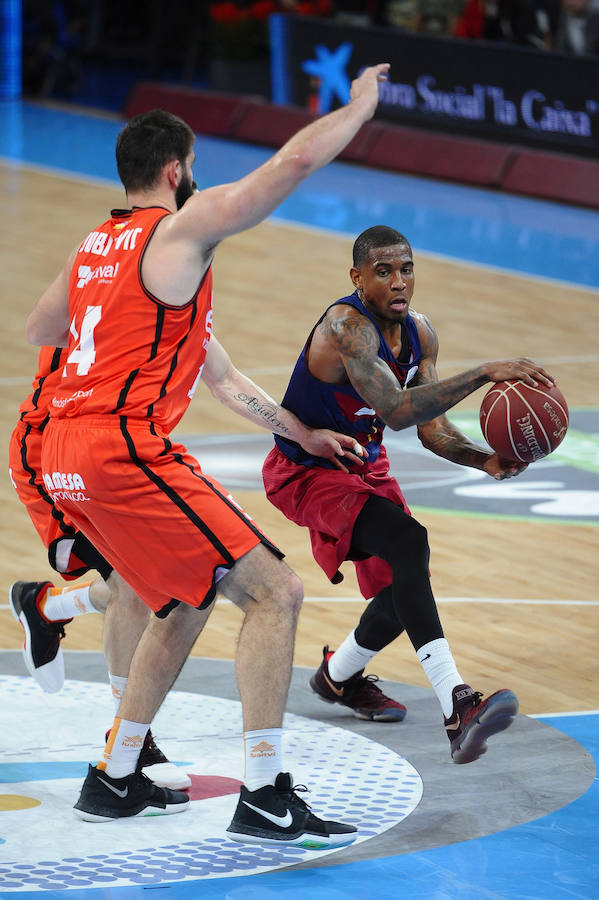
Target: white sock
x=263 y=757
x=123 y=748
x=117 y=685
x=440 y=669
x=66 y=603
x=349 y=659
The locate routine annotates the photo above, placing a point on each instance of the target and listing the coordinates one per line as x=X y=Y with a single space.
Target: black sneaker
x=104 y=798
x=41 y=648
x=360 y=693
x=474 y=720
x=276 y=815
x=153 y=763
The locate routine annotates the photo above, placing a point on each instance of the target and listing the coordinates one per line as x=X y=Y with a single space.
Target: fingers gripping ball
x=523 y=423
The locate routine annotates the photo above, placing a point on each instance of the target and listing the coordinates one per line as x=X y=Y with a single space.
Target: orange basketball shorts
x=167 y=528
x=25 y=469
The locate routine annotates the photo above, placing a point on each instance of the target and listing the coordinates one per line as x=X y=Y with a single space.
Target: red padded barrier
x=568 y=179
x=440 y=156
x=206 y=113
x=359 y=147
x=266 y=123
x=555 y=177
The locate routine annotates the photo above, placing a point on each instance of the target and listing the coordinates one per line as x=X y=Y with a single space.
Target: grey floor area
x=529 y=771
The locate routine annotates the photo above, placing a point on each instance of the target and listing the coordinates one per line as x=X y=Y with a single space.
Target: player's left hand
x=499 y=468
x=331 y=445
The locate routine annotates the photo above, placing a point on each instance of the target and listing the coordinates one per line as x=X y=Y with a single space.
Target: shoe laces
x=295 y=801
x=470 y=705
x=364 y=683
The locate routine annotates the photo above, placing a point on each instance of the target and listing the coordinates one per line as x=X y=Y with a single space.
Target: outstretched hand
x=331 y=445
x=366 y=85
x=500 y=469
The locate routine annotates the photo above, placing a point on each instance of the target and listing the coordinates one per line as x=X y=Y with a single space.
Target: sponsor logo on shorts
x=261 y=750
x=65 y=486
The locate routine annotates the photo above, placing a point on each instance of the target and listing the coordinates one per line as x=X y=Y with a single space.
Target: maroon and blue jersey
x=339 y=406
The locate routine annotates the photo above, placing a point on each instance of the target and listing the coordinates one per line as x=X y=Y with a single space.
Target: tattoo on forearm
x=454 y=446
x=264 y=410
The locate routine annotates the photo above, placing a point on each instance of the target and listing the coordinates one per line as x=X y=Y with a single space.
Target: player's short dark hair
x=147 y=143
x=377 y=236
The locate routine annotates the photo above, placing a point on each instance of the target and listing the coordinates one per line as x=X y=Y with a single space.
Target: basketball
x=523 y=423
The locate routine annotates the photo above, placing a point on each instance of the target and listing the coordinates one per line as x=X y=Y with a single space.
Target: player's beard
x=184 y=190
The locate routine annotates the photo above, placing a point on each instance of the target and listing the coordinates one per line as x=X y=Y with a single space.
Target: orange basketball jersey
x=129 y=353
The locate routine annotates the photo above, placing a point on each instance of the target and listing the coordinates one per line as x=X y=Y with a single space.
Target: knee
x=284 y=596
x=417 y=533
x=292 y=594
x=411 y=543
x=124 y=598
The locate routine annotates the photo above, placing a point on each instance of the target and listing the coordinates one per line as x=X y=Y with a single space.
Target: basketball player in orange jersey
x=133 y=304
x=44 y=610
x=350 y=376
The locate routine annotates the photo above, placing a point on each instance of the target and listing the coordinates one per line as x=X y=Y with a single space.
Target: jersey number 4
x=84 y=354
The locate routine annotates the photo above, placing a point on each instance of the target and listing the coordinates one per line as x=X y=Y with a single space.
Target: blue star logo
x=329 y=68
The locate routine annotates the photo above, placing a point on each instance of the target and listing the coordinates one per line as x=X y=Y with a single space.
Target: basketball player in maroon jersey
x=350 y=376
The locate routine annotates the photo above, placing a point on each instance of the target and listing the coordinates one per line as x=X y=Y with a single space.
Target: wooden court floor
x=271 y=284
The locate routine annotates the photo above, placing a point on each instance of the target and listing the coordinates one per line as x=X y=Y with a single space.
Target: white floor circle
x=44 y=759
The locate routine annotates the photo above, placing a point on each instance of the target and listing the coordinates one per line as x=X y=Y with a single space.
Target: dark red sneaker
x=474 y=720
x=359 y=693
x=41 y=647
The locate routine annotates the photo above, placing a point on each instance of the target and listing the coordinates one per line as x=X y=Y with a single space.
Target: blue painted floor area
x=549 y=859
x=479 y=226
x=553 y=858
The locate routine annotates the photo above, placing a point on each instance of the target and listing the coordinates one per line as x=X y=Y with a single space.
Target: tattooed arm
x=235 y=390
x=355 y=340
x=440 y=435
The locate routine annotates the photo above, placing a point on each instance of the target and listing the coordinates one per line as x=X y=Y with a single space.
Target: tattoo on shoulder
x=355 y=336
x=266 y=411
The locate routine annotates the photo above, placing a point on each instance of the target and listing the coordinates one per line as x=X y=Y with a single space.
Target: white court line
x=498 y=600
x=559 y=715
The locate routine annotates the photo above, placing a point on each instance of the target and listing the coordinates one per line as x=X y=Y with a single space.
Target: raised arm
x=356 y=341
x=441 y=436
x=213 y=214
x=235 y=390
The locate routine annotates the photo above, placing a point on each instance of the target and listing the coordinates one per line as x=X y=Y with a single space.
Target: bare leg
x=163 y=648
x=125 y=620
x=271 y=595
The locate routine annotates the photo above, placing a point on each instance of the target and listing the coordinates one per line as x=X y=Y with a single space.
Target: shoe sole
x=44 y=676
x=305 y=840
x=167 y=775
x=499 y=713
x=386 y=716
x=145 y=811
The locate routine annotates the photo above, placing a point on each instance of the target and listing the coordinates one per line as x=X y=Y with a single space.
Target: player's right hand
x=523 y=369
x=366 y=87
